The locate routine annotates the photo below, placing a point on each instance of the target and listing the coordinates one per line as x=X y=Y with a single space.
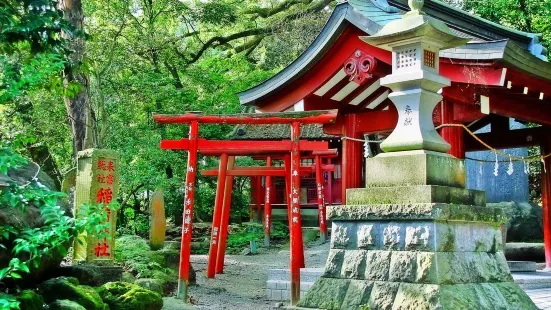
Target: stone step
x=278 y=286
x=533 y=280
x=522 y=266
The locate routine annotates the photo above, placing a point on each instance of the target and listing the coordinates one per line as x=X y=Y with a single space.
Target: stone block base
x=415 y=168
x=332 y=293
x=415 y=194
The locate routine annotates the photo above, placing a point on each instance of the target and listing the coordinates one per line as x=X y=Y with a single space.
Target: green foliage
x=126 y=296
x=240 y=239
x=29 y=245
x=138 y=258
x=8 y=302
x=524 y=15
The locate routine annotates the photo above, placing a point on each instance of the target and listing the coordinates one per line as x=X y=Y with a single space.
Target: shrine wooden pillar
x=257 y=214
x=297 y=250
x=351 y=156
x=268 y=207
x=546 y=201
x=329 y=184
x=287 y=168
x=321 y=202
x=224 y=222
x=187 y=222
x=217 y=216
x=453 y=135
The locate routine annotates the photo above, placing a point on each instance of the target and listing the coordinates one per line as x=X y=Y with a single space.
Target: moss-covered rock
x=30 y=300
x=126 y=296
x=86 y=274
x=155 y=285
x=65 y=304
x=69 y=288
x=128 y=277
x=135 y=253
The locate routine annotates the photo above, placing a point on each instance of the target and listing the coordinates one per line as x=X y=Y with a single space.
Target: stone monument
x=415 y=238
x=97 y=182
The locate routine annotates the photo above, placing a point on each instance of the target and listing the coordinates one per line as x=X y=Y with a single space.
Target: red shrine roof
x=497 y=47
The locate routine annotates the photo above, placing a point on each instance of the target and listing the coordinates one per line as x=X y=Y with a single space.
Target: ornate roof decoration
x=383 y=5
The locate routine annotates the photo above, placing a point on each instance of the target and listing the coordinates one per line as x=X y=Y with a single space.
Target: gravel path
x=243 y=284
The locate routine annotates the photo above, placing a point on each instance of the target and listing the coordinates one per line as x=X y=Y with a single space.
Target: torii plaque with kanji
x=97 y=182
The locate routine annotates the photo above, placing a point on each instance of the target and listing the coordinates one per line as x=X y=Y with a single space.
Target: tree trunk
x=79 y=111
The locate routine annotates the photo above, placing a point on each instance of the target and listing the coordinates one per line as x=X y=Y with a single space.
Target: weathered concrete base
x=331 y=293
x=428 y=245
x=415 y=168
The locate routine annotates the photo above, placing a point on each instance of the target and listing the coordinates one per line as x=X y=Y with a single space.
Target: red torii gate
x=224 y=148
x=269 y=171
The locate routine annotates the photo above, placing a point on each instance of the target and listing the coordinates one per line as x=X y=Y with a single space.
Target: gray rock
x=524 y=220
x=525 y=251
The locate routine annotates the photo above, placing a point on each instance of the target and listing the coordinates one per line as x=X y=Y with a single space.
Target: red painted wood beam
x=218 y=147
x=311 y=117
x=453 y=135
x=225 y=219
x=534 y=84
x=263 y=171
x=366 y=122
x=506 y=104
x=480 y=73
x=258 y=207
x=187 y=223
x=530 y=110
x=287 y=167
x=508 y=139
x=217 y=216
x=546 y=201
x=351 y=156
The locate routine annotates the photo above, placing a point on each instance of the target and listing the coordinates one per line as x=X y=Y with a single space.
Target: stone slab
x=533 y=280
x=417 y=267
x=415 y=194
x=420 y=235
x=415 y=168
x=416 y=211
x=522 y=266
x=330 y=293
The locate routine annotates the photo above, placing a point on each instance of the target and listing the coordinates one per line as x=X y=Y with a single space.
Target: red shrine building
x=499 y=74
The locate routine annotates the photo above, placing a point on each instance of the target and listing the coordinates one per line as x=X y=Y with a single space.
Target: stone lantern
x=415 y=237
x=415 y=42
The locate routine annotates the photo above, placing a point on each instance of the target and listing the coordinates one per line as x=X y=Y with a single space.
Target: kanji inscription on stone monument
x=97 y=183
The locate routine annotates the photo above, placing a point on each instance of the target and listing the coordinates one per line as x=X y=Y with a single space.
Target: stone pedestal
x=416 y=241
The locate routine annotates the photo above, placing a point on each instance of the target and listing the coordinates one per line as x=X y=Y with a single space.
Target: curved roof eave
x=505 y=51
x=341 y=16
